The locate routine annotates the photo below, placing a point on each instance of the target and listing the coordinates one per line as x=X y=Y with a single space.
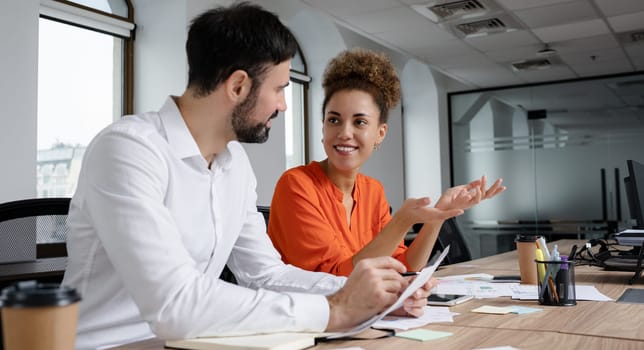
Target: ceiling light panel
x=627 y=22
x=618 y=7
x=546 y=16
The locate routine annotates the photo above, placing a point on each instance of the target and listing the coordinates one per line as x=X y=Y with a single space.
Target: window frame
x=301 y=77
x=128 y=59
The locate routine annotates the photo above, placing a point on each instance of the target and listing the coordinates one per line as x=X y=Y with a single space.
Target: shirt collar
x=181 y=140
x=176 y=130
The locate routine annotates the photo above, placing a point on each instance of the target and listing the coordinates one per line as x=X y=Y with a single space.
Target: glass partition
x=561 y=149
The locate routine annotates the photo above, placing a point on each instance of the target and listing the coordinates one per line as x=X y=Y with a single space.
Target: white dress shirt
x=151 y=230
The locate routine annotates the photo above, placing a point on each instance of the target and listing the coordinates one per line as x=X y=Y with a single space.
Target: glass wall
x=561 y=149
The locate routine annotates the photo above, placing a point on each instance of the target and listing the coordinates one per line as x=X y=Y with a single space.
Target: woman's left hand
x=467 y=196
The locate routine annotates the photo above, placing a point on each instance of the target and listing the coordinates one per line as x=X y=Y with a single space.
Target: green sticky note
x=423 y=334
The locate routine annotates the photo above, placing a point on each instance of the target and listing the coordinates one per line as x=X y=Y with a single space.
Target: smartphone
x=447 y=299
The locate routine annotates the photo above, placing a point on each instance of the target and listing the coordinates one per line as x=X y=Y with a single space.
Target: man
x=166 y=199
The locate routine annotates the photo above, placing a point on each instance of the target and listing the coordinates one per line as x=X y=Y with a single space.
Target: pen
x=553 y=289
x=409 y=273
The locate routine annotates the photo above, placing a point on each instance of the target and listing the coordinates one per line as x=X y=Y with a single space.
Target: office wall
x=18 y=97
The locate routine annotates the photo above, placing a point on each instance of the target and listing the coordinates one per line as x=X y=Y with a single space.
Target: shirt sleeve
x=301 y=230
x=124 y=198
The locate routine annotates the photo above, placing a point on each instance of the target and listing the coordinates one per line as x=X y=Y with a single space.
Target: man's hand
x=374 y=285
x=415 y=304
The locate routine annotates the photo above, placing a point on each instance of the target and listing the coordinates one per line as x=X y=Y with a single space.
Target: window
x=84 y=83
x=295 y=115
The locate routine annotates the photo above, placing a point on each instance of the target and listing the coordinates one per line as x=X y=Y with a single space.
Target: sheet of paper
x=582 y=292
x=433 y=314
x=473 y=287
x=423 y=276
x=497 y=310
x=423 y=334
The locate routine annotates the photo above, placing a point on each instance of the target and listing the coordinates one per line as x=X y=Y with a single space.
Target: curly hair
x=361 y=69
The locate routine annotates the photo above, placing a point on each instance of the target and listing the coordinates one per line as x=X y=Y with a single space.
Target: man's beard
x=241 y=119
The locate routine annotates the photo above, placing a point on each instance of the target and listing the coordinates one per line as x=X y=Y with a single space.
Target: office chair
x=43 y=217
x=450 y=235
x=228 y=275
x=38 y=227
x=33 y=229
x=265 y=210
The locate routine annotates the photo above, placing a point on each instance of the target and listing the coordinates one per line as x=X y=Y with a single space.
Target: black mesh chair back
x=450 y=235
x=42 y=220
x=37 y=227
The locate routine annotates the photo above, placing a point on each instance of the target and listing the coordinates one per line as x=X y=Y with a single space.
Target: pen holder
x=556 y=283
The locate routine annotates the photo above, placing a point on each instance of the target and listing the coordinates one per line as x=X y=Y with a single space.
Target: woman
x=326 y=216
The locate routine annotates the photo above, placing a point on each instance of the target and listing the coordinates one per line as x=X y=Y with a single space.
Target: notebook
x=272 y=341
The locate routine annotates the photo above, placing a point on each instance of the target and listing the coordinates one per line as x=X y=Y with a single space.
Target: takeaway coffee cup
x=39 y=316
x=526 y=248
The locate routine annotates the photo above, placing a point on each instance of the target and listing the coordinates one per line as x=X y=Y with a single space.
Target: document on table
x=472 y=285
x=433 y=314
x=423 y=276
x=582 y=292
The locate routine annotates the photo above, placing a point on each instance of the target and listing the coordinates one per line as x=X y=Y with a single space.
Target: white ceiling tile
x=414 y=2
x=470 y=60
x=515 y=53
x=572 y=31
x=599 y=42
x=427 y=35
x=627 y=22
x=635 y=49
x=618 y=7
x=502 y=41
x=393 y=19
x=525 y=4
x=618 y=66
x=486 y=75
x=639 y=62
x=343 y=8
x=594 y=56
x=557 y=14
x=554 y=73
x=449 y=48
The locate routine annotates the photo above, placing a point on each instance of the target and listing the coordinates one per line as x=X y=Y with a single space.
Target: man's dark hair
x=240 y=37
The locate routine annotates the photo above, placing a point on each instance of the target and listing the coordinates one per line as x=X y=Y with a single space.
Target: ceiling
x=589 y=37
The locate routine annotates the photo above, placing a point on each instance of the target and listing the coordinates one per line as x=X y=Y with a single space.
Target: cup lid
x=34 y=294
x=526 y=238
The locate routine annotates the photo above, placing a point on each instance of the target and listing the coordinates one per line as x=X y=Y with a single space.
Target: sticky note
x=524 y=310
x=486 y=309
x=423 y=334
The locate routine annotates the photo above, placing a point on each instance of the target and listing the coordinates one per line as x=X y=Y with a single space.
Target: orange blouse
x=308 y=222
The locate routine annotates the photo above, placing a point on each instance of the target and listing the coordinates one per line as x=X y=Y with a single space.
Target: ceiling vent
x=486 y=26
x=494 y=25
x=447 y=10
x=532 y=64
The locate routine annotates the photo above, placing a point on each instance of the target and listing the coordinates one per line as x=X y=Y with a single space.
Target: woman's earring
x=322 y=140
x=376 y=146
